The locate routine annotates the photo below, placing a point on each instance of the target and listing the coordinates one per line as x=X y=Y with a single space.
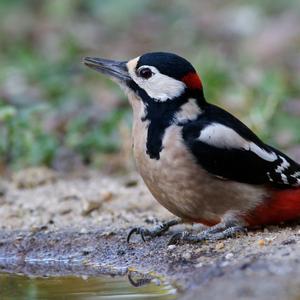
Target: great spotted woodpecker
x=199 y=161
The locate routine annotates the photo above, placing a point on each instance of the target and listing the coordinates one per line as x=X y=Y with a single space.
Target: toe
x=131 y=232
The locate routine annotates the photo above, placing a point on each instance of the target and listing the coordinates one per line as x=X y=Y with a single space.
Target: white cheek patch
x=221 y=136
x=159 y=86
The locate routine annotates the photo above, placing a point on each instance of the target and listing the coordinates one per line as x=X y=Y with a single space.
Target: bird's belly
x=187 y=190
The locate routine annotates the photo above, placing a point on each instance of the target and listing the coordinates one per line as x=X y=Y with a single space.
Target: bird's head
x=156 y=76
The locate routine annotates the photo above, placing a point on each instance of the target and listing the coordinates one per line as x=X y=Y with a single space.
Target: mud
x=51 y=228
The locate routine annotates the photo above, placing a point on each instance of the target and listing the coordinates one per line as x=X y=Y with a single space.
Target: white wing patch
x=221 y=136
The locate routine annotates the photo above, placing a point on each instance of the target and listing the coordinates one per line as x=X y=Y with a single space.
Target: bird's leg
x=154 y=232
x=218 y=232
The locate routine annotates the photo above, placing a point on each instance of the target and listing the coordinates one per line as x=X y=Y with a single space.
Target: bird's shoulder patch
x=221 y=136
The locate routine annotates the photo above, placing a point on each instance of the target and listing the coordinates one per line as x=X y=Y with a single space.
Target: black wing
x=226 y=148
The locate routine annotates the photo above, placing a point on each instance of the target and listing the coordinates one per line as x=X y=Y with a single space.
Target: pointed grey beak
x=114 y=69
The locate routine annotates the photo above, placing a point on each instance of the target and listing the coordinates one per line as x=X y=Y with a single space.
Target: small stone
x=89 y=206
x=171 y=247
x=270 y=239
x=64 y=208
x=289 y=242
x=131 y=182
x=106 y=196
x=198 y=250
x=87 y=250
x=35 y=229
x=219 y=246
x=261 y=242
x=199 y=265
x=229 y=256
x=187 y=255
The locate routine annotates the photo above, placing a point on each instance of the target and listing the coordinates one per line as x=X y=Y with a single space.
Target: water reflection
x=20 y=287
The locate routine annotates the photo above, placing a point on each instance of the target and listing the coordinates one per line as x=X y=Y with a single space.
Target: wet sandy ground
x=53 y=224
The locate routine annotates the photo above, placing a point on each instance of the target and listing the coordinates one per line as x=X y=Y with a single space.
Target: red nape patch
x=282 y=206
x=192 y=81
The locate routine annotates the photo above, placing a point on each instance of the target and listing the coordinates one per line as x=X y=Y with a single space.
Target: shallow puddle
x=20 y=287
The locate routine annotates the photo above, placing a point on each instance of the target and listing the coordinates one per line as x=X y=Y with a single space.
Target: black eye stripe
x=145 y=73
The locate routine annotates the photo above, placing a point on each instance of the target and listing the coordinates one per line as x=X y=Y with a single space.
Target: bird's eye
x=145 y=73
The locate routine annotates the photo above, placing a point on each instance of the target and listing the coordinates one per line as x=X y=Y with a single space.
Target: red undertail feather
x=192 y=81
x=282 y=206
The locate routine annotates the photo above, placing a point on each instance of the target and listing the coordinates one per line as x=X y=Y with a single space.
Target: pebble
x=220 y=246
x=198 y=250
x=229 y=255
x=187 y=255
x=89 y=206
x=106 y=196
x=171 y=247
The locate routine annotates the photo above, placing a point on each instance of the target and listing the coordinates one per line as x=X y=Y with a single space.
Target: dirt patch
x=80 y=224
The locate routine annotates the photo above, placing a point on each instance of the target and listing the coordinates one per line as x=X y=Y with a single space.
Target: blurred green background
x=56 y=112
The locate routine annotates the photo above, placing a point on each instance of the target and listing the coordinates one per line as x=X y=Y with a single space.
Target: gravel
x=79 y=224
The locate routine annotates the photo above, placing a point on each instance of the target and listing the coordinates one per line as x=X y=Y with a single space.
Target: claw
x=136 y=230
x=131 y=232
x=158 y=230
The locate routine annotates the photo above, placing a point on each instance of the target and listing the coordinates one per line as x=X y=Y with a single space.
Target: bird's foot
x=218 y=232
x=154 y=232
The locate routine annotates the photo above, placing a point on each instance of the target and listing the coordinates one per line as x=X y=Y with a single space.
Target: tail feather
x=281 y=207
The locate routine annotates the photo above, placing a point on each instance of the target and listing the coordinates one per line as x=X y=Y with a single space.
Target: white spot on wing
x=188 y=111
x=284 y=165
x=221 y=136
x=296 y=175
x=280 y=169
x=269 y=176
x=284 y=178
